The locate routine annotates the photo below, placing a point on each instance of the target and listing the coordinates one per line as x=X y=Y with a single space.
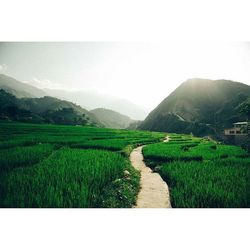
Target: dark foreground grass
x=72 y=178
x=23 y=156
x=68 y=166
x=210 y=184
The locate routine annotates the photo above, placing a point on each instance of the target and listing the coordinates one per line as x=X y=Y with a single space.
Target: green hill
x=112 y=119
x=44 y=110
x=200 y=106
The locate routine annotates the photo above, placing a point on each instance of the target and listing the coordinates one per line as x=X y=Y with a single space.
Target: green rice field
x=202 y=173
x=58 y=166
x=68 y=166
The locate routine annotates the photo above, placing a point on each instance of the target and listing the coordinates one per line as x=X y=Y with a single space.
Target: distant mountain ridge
x=44 y=110
x=199 y=106
x=18 y=88
x=87 y=99
x=92 y=100
x=112 y=119
x=29 y=103
x=46 y=103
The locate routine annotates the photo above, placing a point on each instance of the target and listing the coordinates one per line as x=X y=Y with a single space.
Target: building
x=239 y=128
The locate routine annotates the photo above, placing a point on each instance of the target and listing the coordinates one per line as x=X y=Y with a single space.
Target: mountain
x=19 y=89
x=112 y=119
x=200 y=106
x=48 y=103
x=87 y=99
x=44 y=110
x=92 y=100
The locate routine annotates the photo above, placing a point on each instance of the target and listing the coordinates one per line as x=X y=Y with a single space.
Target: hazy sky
x=143 y=73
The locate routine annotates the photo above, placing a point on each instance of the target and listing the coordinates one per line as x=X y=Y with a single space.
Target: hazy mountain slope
x=19 y=89
x=198 y=102
x=128 y=108
x=7 y=99
x=47 y=103
x=10 y=109
x=40 y=105
x=134 y=125
x=112 y=119
x=93 y=100
x=87 y=99
x=45 y=109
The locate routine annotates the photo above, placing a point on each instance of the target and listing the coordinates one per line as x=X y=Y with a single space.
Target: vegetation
x=69 y=178
x=75 y=166
x=202 y=173
x=45 y=165
x=63 y=166
x=191 y=151
x=44 y=110
x=39 y=99
x=214 y=184
x=245 y=110
x=23 y=156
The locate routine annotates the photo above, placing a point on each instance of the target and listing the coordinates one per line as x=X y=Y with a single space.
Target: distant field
x=188 y=151
x=202 y=173
x=68 y=166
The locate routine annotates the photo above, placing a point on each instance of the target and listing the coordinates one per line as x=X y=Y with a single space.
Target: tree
x=245 y=110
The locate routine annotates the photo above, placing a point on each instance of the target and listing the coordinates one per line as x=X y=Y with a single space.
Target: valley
x=56 y=154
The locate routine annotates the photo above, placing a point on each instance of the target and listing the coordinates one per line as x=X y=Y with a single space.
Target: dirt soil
x=154 y=191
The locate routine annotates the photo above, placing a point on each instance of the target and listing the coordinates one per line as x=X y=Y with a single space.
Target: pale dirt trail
x=154 y=191
x=166 y=139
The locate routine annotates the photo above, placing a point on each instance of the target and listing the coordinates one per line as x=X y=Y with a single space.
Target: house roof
x=240 y=123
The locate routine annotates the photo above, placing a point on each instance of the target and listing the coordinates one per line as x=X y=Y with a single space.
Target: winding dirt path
x=154 y=191
x=166 y=139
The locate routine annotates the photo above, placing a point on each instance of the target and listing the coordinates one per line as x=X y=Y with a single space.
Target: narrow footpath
x=154 y=191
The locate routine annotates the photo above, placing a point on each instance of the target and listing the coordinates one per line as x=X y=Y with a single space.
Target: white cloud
x=3 y=68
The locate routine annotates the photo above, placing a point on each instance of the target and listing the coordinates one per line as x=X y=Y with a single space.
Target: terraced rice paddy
x=68 y=166
x=73 y=166
x=202 y=173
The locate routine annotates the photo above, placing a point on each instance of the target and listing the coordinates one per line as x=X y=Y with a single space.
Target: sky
x=144 y=73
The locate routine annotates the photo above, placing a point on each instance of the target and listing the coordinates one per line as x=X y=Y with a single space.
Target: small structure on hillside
x=238 y=134
x=239 y=128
